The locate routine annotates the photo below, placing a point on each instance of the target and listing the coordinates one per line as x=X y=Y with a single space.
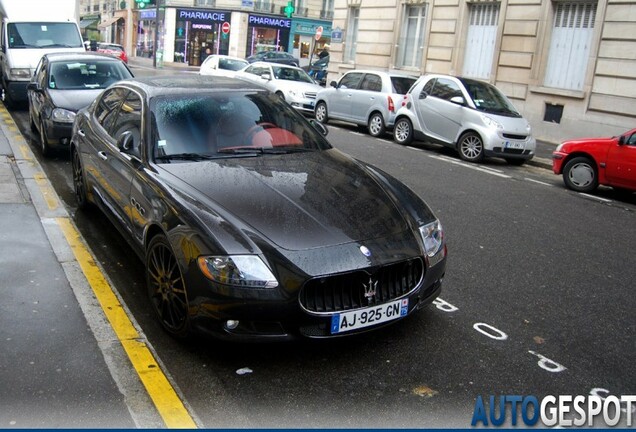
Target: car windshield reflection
x=232 y=124
x=78 y=75
x=488 y=98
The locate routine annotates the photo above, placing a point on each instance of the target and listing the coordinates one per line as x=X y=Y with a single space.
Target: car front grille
x=515 y=137
x=511 y=151
x=347 y=291
x=310 y=95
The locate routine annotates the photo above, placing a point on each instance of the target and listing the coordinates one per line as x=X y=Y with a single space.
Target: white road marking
x=537 y=181
x=473 y=167
x=443 y=305
x=414 y=148
x=595 y=197
x=493 y=333
x=547 y=364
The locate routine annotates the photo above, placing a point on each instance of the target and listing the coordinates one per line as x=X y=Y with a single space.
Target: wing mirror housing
x=319 y=127
x=458 y=100
x=125 y=142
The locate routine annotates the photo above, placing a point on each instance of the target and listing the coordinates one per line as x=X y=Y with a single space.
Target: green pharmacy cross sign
x=289 y=9
x=141 y=4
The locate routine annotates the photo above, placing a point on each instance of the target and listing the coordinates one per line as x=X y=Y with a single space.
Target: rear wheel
x=579 y=174
x=376 y=125
x=321 y=112
x=166 y=288
x=403 y=131
x=79 y=181
x=471 y=147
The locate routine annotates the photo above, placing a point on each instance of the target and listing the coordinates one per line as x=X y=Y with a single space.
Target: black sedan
x=62 y=84
x=274 y=57
x=249 y=223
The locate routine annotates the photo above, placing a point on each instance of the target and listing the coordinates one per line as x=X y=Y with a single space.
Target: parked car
x=222 y=65
x=587 y=162
x=248 y=221
x=289 y=82
x=318 y=70
x=274 y=57
x=114 y=50
x=61 y=85
x=362 y=97
x=471 y=116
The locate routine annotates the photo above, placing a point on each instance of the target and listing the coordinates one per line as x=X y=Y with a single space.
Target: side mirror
x=333 y=84
x=125 y=142
x=34 y=87
x=622 y=140
x=423 y=95
x=319 y=127
x=266 y=76
x=458 y=100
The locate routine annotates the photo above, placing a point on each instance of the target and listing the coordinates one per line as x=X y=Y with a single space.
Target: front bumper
x=58 y=134
x=509 y=147
x=558 y=160
x=17 y=91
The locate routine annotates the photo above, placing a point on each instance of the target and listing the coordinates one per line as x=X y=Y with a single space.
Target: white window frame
x=413 y=35
x=481 y=39
x=570 y=44
x=352 y=34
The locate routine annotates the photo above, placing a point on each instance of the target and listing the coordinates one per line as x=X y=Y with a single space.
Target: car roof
x=186 y=84
x=385 y=73
x=68 y=56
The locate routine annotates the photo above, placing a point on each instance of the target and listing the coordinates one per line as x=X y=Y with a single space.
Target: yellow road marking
x=47 y=192
x=170 y=407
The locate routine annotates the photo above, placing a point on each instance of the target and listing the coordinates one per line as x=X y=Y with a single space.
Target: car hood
x=73 y=100
x=296 y=86
x=591 y=141
x=296 y=201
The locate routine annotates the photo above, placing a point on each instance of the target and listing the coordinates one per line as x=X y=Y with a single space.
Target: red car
x=114 y=50
x=586 y=163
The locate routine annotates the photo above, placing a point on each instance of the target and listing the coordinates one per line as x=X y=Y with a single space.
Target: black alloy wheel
x=79 y=182
x=166 y=288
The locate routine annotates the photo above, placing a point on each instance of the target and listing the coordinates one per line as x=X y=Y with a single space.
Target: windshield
x=289 y=74
x=231 y=64
x=228 y=124
x=86 y=75
x=44 y=35
x=488 y=98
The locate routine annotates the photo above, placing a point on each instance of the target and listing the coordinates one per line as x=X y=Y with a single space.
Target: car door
x=368 y=94
x=339 y=102
x=37 y=99
x=441 y=117
x=620 y=168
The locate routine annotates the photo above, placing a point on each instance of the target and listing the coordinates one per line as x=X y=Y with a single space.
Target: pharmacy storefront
x=267 y=33
x=198 y=33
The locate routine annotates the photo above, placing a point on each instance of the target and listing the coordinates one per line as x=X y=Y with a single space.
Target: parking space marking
x=168 y=404
x=473 y=167
x=415 y=148
x=605 y=200
x=538 y=182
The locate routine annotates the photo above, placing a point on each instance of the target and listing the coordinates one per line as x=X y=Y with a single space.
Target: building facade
x=568 y=66
x=184 y=30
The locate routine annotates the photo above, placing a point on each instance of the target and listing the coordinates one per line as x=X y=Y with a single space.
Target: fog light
x=231 y=324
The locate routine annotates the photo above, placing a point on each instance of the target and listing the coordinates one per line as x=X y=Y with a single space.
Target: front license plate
x=366 y=317
x=513 y=145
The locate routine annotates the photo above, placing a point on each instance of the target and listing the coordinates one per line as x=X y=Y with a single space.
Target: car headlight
x=490 y=122
x=246 y=271
x=20 y=73
x=559 y=147
x=62 y=115
x=433 y=237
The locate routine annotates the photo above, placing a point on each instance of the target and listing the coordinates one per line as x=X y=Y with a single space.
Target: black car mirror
x=319 y=127
x=125 y=142
x=423 y=95
x=34 y=87
x=622 y=140
x=333 y=84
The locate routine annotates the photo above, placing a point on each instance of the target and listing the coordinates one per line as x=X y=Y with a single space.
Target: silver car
x=366 y=98
x=471 y=116
x=291 y=83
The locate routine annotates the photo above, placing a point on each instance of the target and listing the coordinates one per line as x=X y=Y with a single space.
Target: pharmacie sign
x=202 y=16
x=267 y=21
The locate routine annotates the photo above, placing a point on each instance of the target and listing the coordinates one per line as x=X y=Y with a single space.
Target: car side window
x=631 y=140
x=428 y=87
x=107 y=106
x=371 y=82
x=445 y=89
x=350 y=80
x=40 y=73
x=128 y=119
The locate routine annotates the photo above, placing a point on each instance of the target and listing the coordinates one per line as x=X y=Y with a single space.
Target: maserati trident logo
x=369 y=289
x=365 y=251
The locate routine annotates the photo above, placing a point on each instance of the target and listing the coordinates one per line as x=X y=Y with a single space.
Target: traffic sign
x=318 y=32
x=225 y=28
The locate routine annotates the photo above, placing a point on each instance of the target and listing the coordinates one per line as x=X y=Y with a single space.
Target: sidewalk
x=57 y=364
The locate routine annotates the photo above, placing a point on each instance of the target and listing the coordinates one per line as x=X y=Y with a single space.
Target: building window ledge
x=573 y=94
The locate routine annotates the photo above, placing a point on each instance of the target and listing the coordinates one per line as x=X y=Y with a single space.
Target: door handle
x=102 y=155
x=81 y=133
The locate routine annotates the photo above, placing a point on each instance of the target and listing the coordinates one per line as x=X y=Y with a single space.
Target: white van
x=30 y=29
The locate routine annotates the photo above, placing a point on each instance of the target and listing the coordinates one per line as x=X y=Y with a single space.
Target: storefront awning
x=86 y=23
x=109 y=22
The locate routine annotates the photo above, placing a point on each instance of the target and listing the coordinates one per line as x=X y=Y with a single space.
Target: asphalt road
x=537 y=300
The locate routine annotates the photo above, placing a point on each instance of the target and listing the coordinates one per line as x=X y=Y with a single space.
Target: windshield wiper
x=262 y=150
x=57 y=45
x=184 y=156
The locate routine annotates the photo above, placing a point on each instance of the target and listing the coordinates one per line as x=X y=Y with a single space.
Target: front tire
x=471 y=147
x=44 y=141
x=79 y=181
x=321 y=113
x=403 y=131
x=166 y=287
x=376 y=125
x=580 y=174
